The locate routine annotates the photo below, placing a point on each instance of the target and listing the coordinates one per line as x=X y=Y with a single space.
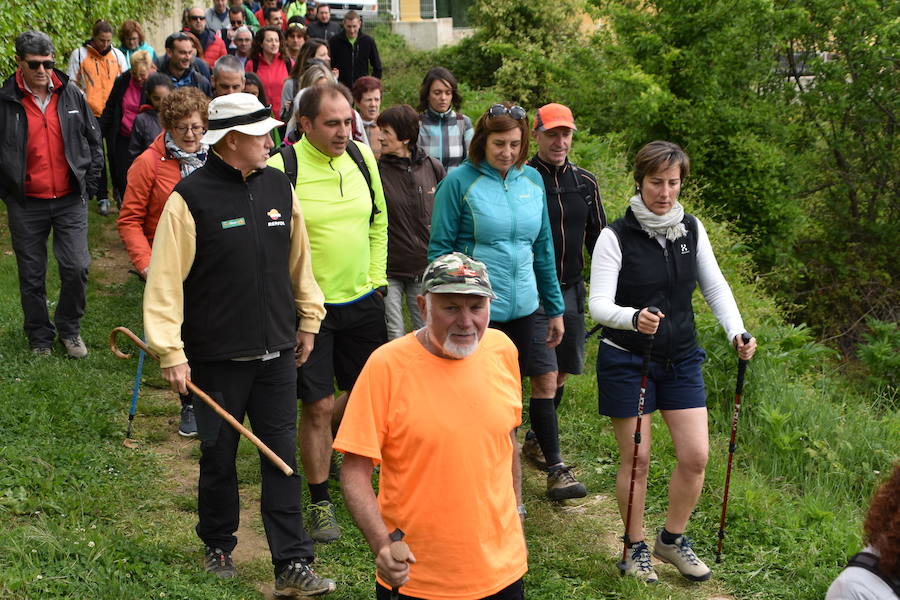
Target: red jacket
x=151 y=180
x=46 y=171
x=272 y=76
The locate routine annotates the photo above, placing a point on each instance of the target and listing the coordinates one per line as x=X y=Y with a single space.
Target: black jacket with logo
x=238 y=298
x=655 y=276
x=80 y=131
x=576 y=215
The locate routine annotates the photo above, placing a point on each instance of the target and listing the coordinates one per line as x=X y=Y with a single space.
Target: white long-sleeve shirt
x=607 y=262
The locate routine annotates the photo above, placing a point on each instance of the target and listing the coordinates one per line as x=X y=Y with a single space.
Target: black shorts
x=568 y=356
x=670 y=386
x=349 y=334
x=520 y=332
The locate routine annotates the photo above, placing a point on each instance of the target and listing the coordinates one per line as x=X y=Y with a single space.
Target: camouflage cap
x=456 y=273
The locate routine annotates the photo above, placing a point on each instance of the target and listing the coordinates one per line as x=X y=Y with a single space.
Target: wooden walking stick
x=267 y=452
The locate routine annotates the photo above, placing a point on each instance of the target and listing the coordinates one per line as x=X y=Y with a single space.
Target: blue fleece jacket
x=504 y=224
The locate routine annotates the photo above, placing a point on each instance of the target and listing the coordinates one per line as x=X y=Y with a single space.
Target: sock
x=631 y=543
x=543 y=421
x=557 y=399
x=668 y=538
x=319 y=492
x=186 y=399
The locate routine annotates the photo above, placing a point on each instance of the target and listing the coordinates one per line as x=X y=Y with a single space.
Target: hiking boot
x=41 y=351
x=188 y=425
x=334 y=469
x=323 y=526
x=75 y=347
x=637 y=563
x=531 y=451
x=298 y=579
x=562 y=485
x=682 y=557
x=219 y=563
x=103 y=206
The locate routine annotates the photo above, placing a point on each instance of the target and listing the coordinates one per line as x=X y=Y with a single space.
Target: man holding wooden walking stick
x=230 y=278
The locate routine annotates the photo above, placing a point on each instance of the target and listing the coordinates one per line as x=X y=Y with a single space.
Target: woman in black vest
x=655 y=256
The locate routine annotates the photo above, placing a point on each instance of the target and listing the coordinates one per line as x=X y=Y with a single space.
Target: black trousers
x=520 y=332
x=30 y=223
x=266 y=392
x=514 y=591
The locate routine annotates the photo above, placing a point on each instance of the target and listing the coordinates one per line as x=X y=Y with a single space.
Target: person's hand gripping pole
x=393 y=562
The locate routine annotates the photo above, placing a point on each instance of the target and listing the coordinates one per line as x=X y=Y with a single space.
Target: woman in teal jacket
x=493 y=208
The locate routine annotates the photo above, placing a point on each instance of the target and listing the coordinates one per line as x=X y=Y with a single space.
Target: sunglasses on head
x=498 y=110
x=34 y=64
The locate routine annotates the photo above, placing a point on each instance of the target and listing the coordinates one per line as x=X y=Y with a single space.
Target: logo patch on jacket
x=684 y=249
x=275 y=216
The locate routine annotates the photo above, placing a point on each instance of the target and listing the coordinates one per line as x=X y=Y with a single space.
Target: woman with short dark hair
x=409 y=178
x=655 y=256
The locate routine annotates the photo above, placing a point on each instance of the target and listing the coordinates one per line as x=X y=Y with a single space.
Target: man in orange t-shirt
x=438 y=409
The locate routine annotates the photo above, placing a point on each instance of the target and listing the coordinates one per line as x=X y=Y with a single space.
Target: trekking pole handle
x=742 y=365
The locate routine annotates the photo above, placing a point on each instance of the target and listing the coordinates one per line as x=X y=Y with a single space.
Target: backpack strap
x=289 y=156
x=869 y=562
x=355 y=153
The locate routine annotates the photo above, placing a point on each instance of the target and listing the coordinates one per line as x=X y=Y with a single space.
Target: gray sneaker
x=103 y=206
x=298 y=580
x=75 y=347
x=188 y=425
x=637 y=563
x=682 y=557
x=562 y=485
x=41 y=351
x=323 y=525
x=219 y=563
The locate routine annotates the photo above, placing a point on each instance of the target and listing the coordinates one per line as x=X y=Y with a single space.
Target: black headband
x=254 y=117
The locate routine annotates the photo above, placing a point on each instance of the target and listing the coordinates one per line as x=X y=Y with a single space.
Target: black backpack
x=869 y=562
x=289 y=155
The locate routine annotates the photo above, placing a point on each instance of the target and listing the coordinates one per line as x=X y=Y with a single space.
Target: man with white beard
x=438 y=409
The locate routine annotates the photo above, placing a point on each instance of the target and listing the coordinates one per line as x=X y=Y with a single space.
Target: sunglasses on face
x=34 y=64
x=197 y=18
x=236 y=23
x=498 y=110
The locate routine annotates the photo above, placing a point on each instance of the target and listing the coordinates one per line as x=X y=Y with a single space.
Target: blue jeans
x=393 y=306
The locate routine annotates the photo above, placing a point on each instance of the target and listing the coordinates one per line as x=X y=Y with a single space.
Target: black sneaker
x=219 y=563
x=323 y=525
x=298 y=579
x=188 y=425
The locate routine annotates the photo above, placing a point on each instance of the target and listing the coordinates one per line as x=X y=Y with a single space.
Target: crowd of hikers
x=289 y=230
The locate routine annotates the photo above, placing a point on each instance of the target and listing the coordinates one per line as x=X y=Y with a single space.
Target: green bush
x=67 y=22
x=880 y=352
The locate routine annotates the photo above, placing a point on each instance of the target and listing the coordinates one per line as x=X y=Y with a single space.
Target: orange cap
x=553 y=115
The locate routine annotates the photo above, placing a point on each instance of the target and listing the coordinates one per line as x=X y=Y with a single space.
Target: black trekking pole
x=742 y=369
x=645 y=371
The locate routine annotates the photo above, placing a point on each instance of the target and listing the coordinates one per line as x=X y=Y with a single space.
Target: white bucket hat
x=238 y=112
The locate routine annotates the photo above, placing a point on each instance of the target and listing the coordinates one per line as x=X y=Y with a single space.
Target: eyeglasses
x=498 y=110
x=197 y=18
x=195 y=129
x=34 y=64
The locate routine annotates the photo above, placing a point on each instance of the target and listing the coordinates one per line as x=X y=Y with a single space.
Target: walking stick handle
x=742 y=365
x=267 y=452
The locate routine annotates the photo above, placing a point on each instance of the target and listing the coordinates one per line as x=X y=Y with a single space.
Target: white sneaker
x=682 y=557
x=637 y=563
